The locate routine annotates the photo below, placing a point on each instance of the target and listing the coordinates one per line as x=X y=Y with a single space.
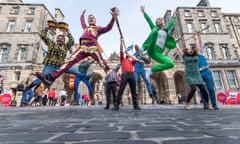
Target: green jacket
x=150 y=42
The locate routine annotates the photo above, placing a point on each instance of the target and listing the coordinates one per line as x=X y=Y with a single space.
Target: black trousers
x=127 y=78
x=111 y=90
x=193 y=90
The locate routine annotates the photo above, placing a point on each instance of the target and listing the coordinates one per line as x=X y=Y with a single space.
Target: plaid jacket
x=56 y=54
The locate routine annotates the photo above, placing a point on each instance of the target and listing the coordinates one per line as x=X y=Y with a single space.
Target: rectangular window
x=232 y=80
x=15 y=10
x=235 y=19
x=217 y=79
x=22 y=54
x=28 y=26
x=3 y=55
x=204 y=27
x=218 y=27
x=17 y=75
x=190 y=27
x=210 y=52
x=11 y=25
x=214 y=14
x=238 y=31
x=187 y=13
x=201 y=14
x=225 y=51
x=31 y=11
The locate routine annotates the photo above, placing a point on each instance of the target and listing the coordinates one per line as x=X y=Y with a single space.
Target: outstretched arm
x=171 y=21
x=107 y=28
x=82 y=20
x=121 y=49
x=70 y=42
x=198 y=41
x=179 y=50
x=45 y=38
x=146 y=16
x=117 y=68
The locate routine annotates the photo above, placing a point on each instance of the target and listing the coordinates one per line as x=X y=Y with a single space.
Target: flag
x=44 y=52
x=129 y=48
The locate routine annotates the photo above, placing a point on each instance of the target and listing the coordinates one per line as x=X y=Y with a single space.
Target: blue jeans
x=46 y=70
x=208 y=79
x=143 y=75
x=27 y=96
x=76 y=84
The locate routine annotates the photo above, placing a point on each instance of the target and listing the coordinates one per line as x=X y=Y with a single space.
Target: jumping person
x=140 y=71
x=157 y=41
x=192 y=75
x=83 y=68
x=56 y=54
x=88 y=47
x=205 y=73
x=127 y=77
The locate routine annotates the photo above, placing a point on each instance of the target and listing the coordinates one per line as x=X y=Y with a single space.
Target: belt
x=127 y=73
x=87 y=42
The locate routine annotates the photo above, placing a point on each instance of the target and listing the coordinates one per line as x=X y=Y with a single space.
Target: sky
x=133 y=25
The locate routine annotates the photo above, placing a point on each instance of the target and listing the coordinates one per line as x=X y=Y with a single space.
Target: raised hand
x=115 y=12
x=84 y=11
x=142 y=8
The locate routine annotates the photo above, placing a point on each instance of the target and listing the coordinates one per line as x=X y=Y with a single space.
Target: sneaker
x=148 y=73
x=106 y=108
x=44 y=78
x=24 y=105
x=187 y=106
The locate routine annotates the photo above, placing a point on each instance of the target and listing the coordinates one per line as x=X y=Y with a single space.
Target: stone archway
x=180 y=84
x=161 y=83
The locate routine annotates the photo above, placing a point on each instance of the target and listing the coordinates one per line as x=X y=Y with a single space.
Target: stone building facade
x=21 y=48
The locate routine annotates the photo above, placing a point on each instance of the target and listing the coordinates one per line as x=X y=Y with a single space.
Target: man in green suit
x=157 y=41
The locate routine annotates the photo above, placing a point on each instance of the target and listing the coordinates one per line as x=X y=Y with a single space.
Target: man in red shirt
x=127 y=77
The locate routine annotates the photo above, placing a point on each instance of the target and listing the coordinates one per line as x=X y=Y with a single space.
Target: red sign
x=5 y=99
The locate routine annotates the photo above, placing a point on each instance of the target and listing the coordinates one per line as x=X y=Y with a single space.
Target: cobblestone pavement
x=154 y=124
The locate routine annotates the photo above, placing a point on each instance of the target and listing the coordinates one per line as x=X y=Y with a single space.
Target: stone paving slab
x=154 y=124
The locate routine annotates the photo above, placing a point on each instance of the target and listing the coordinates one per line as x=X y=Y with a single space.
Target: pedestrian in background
x=111 y=86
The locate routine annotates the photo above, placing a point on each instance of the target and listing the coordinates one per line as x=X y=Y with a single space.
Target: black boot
x=115 y=108
x=107 y=107
x=137 y=107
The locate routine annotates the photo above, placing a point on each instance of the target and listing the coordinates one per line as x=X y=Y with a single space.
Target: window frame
x=233 y=79
x=218 y=79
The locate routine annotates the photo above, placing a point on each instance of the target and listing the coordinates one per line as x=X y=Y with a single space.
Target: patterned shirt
x=56 y=54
